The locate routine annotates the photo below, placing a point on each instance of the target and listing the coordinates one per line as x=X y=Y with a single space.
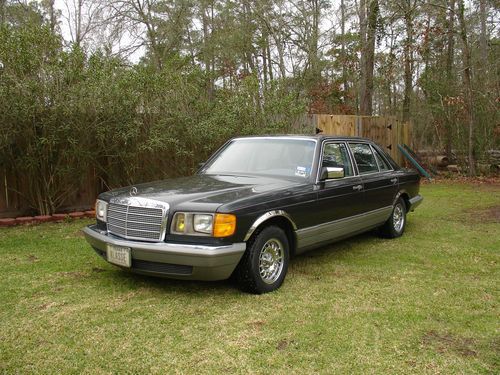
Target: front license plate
x=119 y=255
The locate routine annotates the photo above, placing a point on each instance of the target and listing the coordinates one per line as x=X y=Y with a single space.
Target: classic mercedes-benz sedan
x=255 y=203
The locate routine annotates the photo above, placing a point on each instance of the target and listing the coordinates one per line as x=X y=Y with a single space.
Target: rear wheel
x=395 y=225
x=265 y=263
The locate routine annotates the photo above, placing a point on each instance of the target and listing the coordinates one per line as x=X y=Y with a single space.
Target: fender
x=399 y=193
x=269 y=215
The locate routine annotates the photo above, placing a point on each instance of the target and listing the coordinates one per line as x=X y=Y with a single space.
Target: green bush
x=64 y=113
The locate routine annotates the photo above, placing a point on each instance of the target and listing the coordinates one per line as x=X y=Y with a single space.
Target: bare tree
x=84 y=18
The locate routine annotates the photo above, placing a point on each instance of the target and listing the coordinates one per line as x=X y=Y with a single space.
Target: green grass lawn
x=424 y=303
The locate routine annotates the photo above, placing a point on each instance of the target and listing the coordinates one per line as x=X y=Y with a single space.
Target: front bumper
x=173 y=260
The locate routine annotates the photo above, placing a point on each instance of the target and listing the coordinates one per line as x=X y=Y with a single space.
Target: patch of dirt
x=32 y=258
x=484 y=215
x=283 y=344
x=256 y=324
x=97 y=269
x=446 y=342
x=49 y=305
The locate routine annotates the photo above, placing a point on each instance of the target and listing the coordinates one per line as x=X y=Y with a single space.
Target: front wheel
x=265 y=263
x=395 y=225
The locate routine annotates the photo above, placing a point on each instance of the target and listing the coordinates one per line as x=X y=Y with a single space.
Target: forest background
x=135 y=90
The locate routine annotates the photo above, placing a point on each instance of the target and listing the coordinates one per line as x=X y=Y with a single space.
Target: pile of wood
x=491 y=164
x=437 y=161
x=441 y=162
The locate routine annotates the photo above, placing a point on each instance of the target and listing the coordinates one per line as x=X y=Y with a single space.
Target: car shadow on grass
x=332 y=252
x=167 y=285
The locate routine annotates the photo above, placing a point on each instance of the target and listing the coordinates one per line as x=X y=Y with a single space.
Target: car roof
x=318 y=137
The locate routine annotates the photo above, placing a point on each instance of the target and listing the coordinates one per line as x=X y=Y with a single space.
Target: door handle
x=357 y=187
x=394 y=180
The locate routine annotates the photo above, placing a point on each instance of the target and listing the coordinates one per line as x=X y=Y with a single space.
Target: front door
x=338 y=200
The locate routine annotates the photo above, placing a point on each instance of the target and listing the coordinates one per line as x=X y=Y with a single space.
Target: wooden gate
x=388 y=132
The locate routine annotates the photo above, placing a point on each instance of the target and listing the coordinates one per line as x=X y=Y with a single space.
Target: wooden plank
x=388 y=131
x=337 y=124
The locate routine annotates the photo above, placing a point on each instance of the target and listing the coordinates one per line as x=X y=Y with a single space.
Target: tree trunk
x=469 y=100
x=207 y=53
x=313 y=44
x=362 y=60
x=450 y=51
x=52 y=14
x=408 y=56
x=483 y=45
x=281 y=52
x=78 y=24
x=264 y=64
x=343 y=53
x=2 y=12
x=270 y=61
x=368 y=28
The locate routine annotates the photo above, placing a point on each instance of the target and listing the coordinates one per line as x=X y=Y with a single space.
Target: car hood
x=202 y=192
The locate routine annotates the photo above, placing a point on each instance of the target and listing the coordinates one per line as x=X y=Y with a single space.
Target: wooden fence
x=388 y=132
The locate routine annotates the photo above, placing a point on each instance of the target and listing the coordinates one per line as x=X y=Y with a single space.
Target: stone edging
x=24 y=220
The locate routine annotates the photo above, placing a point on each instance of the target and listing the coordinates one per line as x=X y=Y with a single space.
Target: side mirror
x=329 y=173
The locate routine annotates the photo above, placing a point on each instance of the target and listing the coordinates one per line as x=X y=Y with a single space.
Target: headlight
x=203 y=224
x=179 y=223
x=101 y=209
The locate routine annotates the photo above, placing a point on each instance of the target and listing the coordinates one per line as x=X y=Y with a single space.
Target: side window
x=364 y=158
x=336 y=155
x=381 y=162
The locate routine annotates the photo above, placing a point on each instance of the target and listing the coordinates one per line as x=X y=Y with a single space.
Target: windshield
x=284 y=157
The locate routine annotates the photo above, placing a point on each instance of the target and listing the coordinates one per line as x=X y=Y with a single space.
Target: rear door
x=377 y=176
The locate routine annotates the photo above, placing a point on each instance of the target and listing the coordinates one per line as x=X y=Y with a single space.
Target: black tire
x=260 y=249
x=393 y=228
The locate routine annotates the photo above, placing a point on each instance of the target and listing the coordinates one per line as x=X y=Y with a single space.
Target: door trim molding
x=330 y=231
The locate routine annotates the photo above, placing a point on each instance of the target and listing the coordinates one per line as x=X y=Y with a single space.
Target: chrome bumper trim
x=415 y=201
x=209 y=262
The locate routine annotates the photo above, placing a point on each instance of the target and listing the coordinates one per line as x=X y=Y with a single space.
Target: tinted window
x=336 y=155
x=381 y=162
x=364 y=158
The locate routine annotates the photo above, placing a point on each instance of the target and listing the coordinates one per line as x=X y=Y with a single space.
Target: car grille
x=133 y=222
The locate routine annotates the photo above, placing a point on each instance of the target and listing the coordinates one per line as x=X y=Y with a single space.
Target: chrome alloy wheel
x=398 y=217
x=271 y=260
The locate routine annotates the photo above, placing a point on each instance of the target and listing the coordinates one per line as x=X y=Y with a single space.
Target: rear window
x=364 y=158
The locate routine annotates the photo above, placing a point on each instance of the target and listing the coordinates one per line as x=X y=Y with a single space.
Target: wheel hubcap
x=398 y=217
x=271 y=261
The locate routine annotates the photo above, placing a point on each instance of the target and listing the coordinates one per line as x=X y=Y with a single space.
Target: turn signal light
x=225 y=225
